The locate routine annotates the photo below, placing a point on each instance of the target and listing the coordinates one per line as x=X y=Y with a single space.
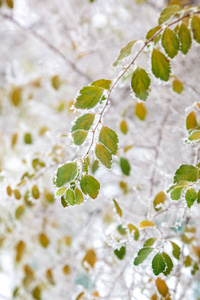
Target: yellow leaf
x=20 y=250
x=90 y=258
x=117 y=207
x=191 y=121
x=123 y=127
x=16 y=95
x=49 y=276
x=9 y=190
x=140 y=110
x=56 y=82
x=44 y=240
x=154 y=297
x=146 y=223
x=66 y=270
x=177 y=86
x=162 y=287
x=14 y=139
x=68 y=240
x=80 y=296
x=17 y=194
x=159 y=199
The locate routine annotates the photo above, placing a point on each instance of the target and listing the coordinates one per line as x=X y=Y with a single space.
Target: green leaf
x=78 y=196
x=117 y=207
x=121 y=229
x=90 y=186
x=176 y=193
x=84 y=122
x=186 y=172
x=160 y=65
x=28 y=138
x=168 y=262
x=176 y=250
x=167 y=13
x=191 y=121
x=158 y=264
x=109 y=138
x=103 y=155
x=142 y=255
x=190 y=197
x=170 y=42
x=61 y=191
x=194 y=135
x=121 y=252
x=89 y=97
x=198 y=197
x=185 y=38
x=125 y=166
x=196 y=28
x=126 y=51
x=64 y=202
x=103 y=83
x=66 y=173
x=79 y=137
x=132 y=227
x=177 y=86
x=20 y=210
x=159 y=199
x=95 y=166
x=140 y=83
x=70 y=197
x=152 y=31
x=140 y=111
x=149 y=242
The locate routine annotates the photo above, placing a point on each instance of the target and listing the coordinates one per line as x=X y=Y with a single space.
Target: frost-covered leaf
x=70 y=197
x=195 y=24
x=78 y=196
x=168 y=12
x=160 y=65
x=103 y=83
x=177 y=86
x=140 y=111
x=162 y=287
x=191 y=121
x=118 y=208
x=142 y=255
x=176 y=250
x=140 y=83
x=194 y=135
x=121 y=252
x=152 y=31
x=66 y=173
x=84 y=122
x=168 y=262
x=89 y=97
x=176 y=193
x=184 y=38
x=146 y=223
x=132 y=227
x=125 y=51
x=61 y=191
x=124 y=127
x=186 y=172
x=103 y=155
x=90 y=186
x=170 y=42
x=190 y=197
x=79 y=137
x=158 y=264
x=109 y=138
x=149 y=242
x=159 y=199
x=90 y=258
x=125 y=166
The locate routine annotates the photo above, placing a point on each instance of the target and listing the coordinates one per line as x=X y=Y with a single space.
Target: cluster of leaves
x=97 y=94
